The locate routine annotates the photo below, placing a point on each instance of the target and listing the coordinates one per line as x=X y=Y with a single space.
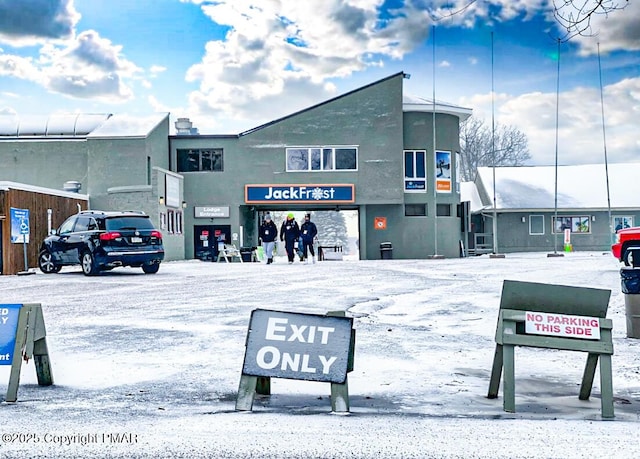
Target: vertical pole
x=24 y=247
x=493 y=156
x=606 y=163
x=555 y=204
x=433 y=123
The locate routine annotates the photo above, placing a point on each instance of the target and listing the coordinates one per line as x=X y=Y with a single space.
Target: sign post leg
x=496 y=373
x=263 y=385
x=587 y=377
x=606 y=387
x=340 y=397
x=16 y=364
x=509 y=391
x=246 y=393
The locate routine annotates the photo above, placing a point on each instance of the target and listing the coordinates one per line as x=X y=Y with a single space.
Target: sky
x=159 y=357
x=231 y=65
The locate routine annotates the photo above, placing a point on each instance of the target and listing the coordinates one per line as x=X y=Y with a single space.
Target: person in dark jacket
x=289 y=233
x=268 y=234
x=308 y=233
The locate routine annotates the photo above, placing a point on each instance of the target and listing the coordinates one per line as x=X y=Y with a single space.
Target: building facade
x=389 y=157
x=370 y=150
x=541 y=208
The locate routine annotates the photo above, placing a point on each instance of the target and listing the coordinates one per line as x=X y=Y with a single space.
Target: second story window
x=322 y=159
x=415 y=177
x=200 y=160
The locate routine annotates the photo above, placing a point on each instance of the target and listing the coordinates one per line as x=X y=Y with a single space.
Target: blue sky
x=231 y=65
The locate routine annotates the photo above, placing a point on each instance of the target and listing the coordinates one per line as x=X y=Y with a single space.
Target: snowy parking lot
x=149 y=365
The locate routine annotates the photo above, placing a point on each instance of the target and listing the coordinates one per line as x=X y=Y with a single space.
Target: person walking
x=308 y=233
x=268 y=234
x=289 y=233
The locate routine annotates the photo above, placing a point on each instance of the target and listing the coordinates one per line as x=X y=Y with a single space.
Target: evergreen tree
x=332 y=228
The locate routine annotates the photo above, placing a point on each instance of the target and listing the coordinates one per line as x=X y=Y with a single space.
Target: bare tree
x=506 y=146
x=573 y=16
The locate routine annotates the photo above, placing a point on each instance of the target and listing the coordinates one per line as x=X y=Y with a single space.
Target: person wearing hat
x=308 y=232
x=268 y=233
x=289 y=233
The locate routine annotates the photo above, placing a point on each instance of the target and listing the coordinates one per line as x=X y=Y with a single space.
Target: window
x=536 y=224
x=197 y=160
x=415 y=171
x=622 y=222
x=443 y=210
x=580 y=224
x=322 y=159
x=415 y=210
x=179 y=223
x=170 y=221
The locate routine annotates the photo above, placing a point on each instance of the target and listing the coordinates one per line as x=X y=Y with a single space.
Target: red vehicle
x=626 y=239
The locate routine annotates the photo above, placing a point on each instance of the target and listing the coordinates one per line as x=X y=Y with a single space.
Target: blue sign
x=256 y=194
x=19 y=225
x=8 y=326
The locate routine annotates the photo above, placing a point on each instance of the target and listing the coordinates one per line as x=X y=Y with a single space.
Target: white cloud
x=19 y=67
x=617 y=31
x=89 y=67
x=292 y=47
x=154 y=70
x=580 y=131
x=444 y=64
x=36 y=21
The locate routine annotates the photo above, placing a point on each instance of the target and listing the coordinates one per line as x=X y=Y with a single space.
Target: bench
x=329 y=252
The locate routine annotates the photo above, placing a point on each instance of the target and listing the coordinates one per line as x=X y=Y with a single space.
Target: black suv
x=100 y=241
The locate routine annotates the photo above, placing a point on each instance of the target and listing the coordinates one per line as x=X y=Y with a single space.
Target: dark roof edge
x=395 y=75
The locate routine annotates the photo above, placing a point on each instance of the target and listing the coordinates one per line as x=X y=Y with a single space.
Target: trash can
x=246 y=253
x=630 y=282
x=386 y=250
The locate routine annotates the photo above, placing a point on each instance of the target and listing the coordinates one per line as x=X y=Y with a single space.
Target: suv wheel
x=150 y=268
x=46 y=264
x=88 y=264
x=627 y=255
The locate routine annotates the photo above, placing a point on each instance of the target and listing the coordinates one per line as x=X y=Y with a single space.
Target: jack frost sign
x=298 y=346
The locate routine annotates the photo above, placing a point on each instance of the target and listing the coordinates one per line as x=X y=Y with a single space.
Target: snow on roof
x=6 y=185
x=579 y=186
x=55 y=125
x=124 y=125
x=469 y=192
x=412 y=103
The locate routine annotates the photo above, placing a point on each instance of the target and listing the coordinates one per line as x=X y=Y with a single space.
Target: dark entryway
x=206 y=238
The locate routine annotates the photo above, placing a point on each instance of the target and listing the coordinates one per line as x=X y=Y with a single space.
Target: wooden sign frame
x=251 y=385
x=30 y=342
x=519 y=297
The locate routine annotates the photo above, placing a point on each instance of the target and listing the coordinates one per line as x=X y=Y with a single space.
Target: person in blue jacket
x=308 y=233
x=268 y=234
x=289 y=233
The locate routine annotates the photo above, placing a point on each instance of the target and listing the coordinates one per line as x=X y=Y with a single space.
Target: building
x=118 y=162
x=592 y=202
x=388 y=156
x=370 y=150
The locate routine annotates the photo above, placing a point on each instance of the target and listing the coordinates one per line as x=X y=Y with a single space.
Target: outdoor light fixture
x=184 y=204
x=524 y=219
x=161 y=200
x=593 y=218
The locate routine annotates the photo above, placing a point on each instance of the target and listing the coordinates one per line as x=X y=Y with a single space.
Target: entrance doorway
x=206 y=238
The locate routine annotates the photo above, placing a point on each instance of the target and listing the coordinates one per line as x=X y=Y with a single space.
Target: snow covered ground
x=149 y=366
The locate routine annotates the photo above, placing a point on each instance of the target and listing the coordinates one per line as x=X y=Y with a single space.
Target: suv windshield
x=130 y=223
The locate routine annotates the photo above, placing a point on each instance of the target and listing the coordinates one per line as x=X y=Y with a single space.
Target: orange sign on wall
x=380 y=223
